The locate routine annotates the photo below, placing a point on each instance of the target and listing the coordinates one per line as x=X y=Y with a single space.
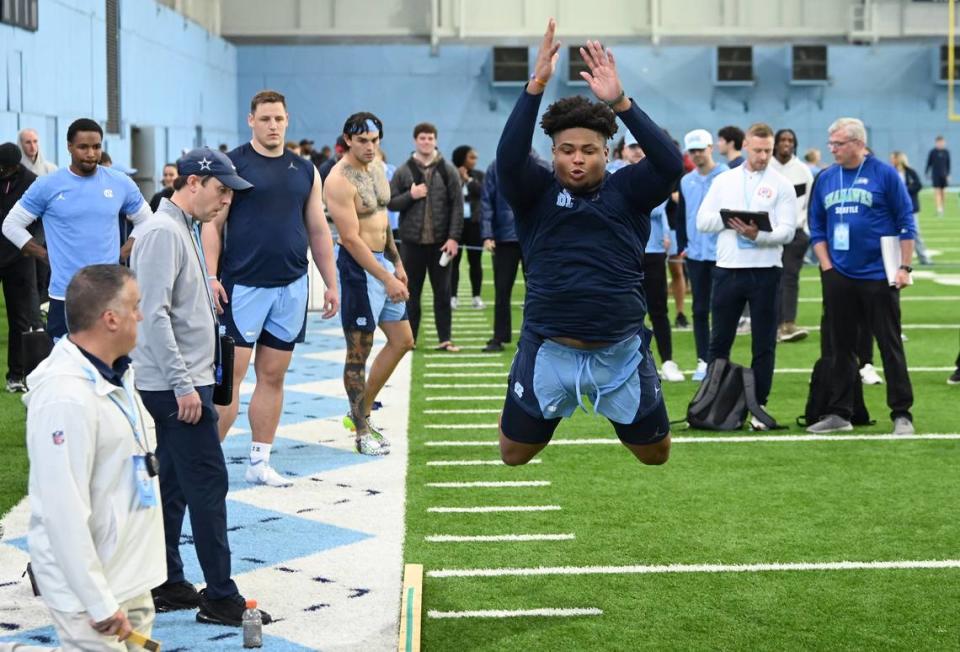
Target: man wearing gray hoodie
x=175 y=365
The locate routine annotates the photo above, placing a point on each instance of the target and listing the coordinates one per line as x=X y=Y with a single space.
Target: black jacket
x=914 y=186
x=11 y=190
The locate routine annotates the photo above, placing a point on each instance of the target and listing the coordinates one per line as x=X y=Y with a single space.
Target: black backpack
x=818 y=399
x=726 y=395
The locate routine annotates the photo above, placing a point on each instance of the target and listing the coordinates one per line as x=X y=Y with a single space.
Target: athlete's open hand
x=219 y=295
x=396 y=291
x=547 y=56
x=331 y=303
x=602 y=78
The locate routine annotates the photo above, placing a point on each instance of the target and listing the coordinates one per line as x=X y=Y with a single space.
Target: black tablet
x=760 y=218
x=800 y=189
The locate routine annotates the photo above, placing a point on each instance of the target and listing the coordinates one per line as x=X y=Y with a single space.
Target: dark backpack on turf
x=818 y=399
x=726 y=395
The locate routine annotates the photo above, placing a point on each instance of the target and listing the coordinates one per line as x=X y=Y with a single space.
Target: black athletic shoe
x=225 y=611
x=681 y=321
x=175 y=596
x=493 y=346
x=955 y=378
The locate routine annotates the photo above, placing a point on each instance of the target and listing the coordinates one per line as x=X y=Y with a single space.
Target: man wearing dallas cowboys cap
x=174 y=361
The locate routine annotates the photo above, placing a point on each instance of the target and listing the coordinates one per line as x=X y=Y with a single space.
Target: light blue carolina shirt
x=79 y=217
x=658 y=226
x=694 y=186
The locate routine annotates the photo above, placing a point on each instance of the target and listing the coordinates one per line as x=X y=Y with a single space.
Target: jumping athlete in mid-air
x=583 y=232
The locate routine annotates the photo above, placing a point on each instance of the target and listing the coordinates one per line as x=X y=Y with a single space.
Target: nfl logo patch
x=58 y=437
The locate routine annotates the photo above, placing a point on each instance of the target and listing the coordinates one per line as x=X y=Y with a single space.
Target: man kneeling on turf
x=582 y=233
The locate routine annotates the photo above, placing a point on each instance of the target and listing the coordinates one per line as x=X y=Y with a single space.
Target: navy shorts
x=548 y=379
x=363 y=298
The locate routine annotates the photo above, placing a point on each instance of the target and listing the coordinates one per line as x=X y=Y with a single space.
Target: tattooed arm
x=391 y=253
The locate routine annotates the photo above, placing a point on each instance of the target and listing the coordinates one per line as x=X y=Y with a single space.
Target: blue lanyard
x=129 y=414
x=852 y=183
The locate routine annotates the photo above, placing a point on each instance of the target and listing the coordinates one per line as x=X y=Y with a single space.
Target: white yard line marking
x=488 y=356
x=552 y=612
x=460 y=365
x=460 y=426
x=475 y=462
x=463 y=386
x=484 y=484
x=803 y=370
x=745 y=439
x=468 y=411
x=903 y=297
x=698 y=568
x=496 y=538
x=464 y=398
x=469 y=374
x=486 y=509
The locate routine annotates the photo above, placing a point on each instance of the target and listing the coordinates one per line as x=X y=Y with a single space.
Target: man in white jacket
x=96 y=531
x=749 y=260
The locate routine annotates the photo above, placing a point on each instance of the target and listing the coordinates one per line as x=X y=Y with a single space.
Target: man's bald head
x=29 y=143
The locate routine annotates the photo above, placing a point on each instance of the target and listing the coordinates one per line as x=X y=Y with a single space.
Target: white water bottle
x=445 y=259
x=252 y=625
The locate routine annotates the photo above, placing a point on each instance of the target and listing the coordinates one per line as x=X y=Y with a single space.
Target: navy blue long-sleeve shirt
x=583 y=251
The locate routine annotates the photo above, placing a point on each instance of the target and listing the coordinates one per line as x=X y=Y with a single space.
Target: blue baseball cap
x=206 y=162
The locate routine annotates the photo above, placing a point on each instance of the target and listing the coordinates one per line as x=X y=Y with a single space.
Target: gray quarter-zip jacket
x=176 y=341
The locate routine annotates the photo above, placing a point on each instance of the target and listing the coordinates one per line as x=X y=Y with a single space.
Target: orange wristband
x=537 y=81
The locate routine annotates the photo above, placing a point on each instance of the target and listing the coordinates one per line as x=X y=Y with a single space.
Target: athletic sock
x=259 y=452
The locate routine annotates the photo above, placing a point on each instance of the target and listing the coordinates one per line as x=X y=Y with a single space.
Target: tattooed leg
x=359 y=345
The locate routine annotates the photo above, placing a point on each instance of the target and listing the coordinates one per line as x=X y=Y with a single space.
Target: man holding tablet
x=754 y=209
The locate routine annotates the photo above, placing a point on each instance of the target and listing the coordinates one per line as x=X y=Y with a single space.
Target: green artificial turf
x=712 y=503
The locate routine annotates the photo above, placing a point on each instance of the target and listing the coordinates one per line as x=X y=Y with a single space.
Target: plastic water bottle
x=252 y=625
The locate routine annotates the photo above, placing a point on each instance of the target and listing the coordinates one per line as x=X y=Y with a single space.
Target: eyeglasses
x=837 y=144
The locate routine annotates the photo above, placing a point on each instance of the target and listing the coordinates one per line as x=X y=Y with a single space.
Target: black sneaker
x=175 y=596
x=493 y=346
x=681 y=321
x=955 y=378
x=225 y=611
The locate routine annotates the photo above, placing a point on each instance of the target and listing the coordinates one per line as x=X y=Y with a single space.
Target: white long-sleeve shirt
x=744 y=189
x=91 y=545
x=798 y=173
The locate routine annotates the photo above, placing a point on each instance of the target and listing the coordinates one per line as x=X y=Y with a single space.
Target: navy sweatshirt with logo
x=583 y=251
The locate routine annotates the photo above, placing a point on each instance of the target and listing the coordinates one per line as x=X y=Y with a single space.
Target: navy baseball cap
x=205 y=162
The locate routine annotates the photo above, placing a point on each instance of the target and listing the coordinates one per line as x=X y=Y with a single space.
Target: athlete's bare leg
x=399 y=341
x=266 y=404
x=678 y=284
x=653 y=454
x=228 y=413
x=359 y=344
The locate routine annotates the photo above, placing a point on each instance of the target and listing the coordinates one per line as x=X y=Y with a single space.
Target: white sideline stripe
x=717 y=440
x=459 y=365
x=462 y=355
x=462 y=398
x=504 y=483
x=803 y=370
x=496 y=538
x=486 y=509
x=461 y=426
x=463 y=386
x=469 y=374
x=903 y=297
x=697 y=568
x=551 y=612
x=468 y=411
x=475 y=462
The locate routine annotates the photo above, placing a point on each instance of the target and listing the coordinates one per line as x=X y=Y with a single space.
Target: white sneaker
x=869 y=375
x=478 y=303
x=701 y=371
x=671 y=372
x=263 y=473
x=453 y=303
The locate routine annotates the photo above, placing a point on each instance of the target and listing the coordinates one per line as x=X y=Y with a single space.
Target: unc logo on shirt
x=518 y=389
x=564 y=200
x=108 y=193
x=765 y=192
x=361 y=321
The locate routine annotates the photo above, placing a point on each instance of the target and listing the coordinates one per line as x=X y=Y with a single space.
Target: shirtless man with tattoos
x=371 y=276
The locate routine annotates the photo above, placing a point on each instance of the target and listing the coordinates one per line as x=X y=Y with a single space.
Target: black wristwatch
x=906 y=268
